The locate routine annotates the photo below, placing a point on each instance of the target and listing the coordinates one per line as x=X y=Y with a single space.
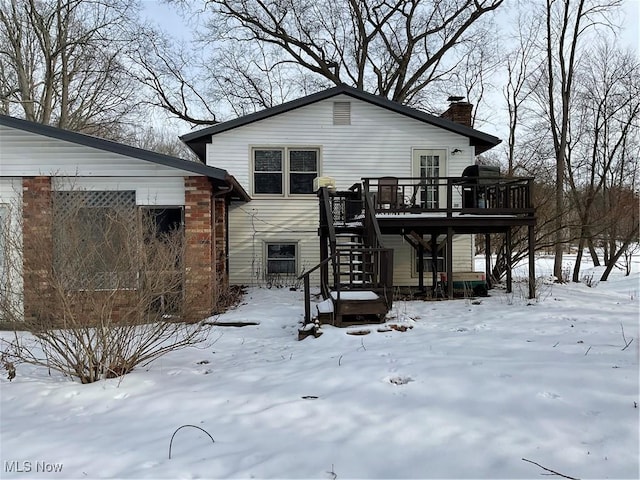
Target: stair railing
x=307 y=286
x=382 y=257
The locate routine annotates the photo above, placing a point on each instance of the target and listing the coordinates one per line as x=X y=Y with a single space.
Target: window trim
x=286 y=169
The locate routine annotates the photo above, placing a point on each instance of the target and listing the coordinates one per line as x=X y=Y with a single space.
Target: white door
x=429 y=164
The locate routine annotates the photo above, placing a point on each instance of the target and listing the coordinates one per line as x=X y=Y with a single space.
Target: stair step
x=362 y=295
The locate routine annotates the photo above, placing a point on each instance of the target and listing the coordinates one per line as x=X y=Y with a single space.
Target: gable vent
x=342 y=113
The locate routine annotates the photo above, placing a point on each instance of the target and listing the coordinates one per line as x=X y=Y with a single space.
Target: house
x=40 y=164
x=381 y=170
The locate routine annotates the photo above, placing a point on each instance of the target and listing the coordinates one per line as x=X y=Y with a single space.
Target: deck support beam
x=449 y=257
x=487 y=259
x=508 y=252
x=532 y=261
x=434 y=263
x=420 y=266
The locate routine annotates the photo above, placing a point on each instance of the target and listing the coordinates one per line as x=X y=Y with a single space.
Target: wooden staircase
x=358 y=264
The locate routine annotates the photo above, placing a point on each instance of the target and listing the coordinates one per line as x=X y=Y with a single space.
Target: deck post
x=508 y=252
x=324 y=269
x=449 y=262
x=487 y=259
x=434 y=262
x=307 y=300
x=449 y=198
x=420 y=266
x=532 y=262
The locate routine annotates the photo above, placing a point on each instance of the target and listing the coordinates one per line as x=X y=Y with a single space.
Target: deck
x=424 y=211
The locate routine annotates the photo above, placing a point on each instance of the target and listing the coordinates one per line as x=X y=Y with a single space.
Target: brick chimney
x=459 y=111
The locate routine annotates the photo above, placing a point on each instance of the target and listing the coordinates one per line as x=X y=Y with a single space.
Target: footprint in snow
x=400 y=380
x=121 y=396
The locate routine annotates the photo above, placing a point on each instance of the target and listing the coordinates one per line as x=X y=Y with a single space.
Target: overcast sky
x=167 y=17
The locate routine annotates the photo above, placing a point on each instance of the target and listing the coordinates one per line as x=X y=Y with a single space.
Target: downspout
x=214 y=242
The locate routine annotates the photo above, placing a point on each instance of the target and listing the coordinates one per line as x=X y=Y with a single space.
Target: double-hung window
x=267 y=171
x=285 y=171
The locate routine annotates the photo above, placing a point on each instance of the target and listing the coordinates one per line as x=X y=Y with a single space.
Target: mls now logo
x=28 y=466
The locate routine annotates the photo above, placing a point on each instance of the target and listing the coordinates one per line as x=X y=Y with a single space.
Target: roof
x=217 y=175
x=198 y=140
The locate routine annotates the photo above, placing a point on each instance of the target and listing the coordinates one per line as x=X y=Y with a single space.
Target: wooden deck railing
x=449 y=195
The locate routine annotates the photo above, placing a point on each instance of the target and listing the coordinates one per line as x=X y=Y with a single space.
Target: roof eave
x=114 y=147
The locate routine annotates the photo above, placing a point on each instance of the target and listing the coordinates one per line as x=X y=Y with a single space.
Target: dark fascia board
x=218 y=175
x=482 y=141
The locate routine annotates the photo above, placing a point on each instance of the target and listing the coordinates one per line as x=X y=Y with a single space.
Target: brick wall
x=205 y=270
x=37 y=245
x=199 y=274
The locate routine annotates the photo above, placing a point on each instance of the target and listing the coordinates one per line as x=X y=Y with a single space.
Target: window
x=429 y=168
x=267 y=171
x=164 y=239
x=441 y=261
x=272 y=175
x=281 y=258
x=303 y=168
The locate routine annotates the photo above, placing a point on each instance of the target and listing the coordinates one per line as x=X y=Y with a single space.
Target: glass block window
x=267 y=171
x=281 y=258
x=303 y=168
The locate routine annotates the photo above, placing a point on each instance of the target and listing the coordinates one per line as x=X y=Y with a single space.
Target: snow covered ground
x=467 y=392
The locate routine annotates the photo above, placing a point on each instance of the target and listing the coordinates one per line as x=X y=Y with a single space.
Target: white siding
x=28 y=154
x=377 y=143
x=11 y=241
x=254 y=223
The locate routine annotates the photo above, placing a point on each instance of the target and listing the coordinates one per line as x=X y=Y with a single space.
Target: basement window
x=281 y=258
x=441 y=261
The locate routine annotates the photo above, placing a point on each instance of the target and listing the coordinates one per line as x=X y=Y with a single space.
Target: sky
x=167 y=17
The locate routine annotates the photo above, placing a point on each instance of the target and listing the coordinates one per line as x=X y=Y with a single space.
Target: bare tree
x=568 y=24
x=602 y=166
x=62 y=62
x=264 y=52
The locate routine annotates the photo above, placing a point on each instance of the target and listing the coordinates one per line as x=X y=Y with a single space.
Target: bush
x=110 y=292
